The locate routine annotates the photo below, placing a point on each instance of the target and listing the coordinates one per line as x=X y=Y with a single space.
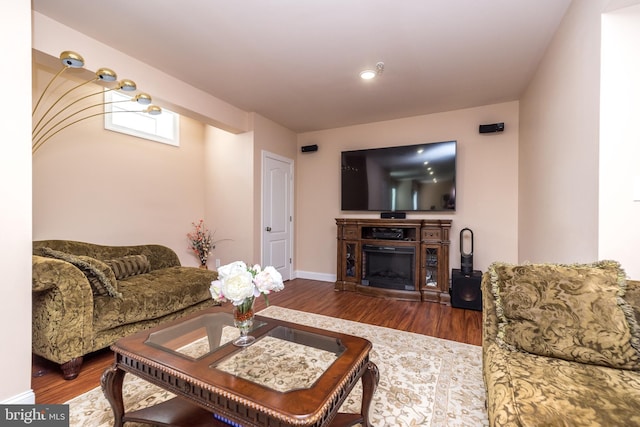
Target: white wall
x=619 y=224
x=487 y=183
x=15 y=215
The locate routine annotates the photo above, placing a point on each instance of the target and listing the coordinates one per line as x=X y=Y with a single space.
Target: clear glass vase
x=243 y=320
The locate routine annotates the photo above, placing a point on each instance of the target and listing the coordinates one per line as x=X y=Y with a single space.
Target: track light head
x=127 y=85
x=106 y=75
x=71 y=59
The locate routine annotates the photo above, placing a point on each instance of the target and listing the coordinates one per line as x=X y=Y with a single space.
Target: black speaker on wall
x=309 y=148
x=492 y=128
x=465 y=289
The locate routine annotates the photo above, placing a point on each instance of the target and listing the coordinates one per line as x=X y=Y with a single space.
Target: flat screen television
x=419 y=177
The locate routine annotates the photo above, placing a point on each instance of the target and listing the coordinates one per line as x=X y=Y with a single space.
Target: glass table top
x=198 y=337
x=282 y=359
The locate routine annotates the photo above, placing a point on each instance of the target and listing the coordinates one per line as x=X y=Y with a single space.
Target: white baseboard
x=323 y=277
x=25 y=398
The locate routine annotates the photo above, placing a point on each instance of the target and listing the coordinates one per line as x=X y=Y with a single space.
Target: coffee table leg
x=111 y=382
x=370 y=380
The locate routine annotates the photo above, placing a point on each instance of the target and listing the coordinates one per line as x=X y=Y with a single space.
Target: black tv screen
x=419 y=177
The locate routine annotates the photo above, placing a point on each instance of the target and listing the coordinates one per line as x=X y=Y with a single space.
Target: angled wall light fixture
x=52 y=120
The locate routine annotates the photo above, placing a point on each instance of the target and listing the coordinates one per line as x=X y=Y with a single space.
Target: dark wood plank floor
x=300 y=294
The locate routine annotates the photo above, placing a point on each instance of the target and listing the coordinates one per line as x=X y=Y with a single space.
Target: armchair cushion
x=100 y=276
x=572 y=312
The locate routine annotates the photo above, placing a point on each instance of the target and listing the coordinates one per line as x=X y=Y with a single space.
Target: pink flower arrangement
x=201 y=241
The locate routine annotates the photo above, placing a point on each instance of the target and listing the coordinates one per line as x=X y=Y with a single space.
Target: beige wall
x=233 y=185
x=487 y=183
x=558 y=164
x=274 y=138
x=578 y=158
x=230 y=206
x=94 y=185
x=15 y=215
x=619 y=135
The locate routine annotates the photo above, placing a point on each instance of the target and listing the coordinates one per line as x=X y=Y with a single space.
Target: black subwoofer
x=465 y=289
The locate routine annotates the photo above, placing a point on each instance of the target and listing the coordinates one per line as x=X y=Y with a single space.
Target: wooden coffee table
x=293 y=375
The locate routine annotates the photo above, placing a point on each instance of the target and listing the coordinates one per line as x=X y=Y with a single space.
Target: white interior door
x=277 y=213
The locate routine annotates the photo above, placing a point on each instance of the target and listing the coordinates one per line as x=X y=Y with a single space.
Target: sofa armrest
x=489 y=314
x=633 y=293
x=633 y=297
x=160 y=256
x=62 y=310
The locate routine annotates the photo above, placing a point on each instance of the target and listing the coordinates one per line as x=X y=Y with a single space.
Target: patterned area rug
x=424 y=381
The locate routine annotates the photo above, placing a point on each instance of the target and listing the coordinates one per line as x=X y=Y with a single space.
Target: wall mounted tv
x=419 y=177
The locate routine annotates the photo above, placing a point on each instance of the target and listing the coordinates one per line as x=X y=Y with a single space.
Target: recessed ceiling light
x=370 y=74
x=367 y=74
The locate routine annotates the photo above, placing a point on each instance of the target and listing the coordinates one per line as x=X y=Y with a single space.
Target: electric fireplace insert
x=389 y=267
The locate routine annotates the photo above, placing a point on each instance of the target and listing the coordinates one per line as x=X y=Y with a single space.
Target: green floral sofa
x=87 y=296
x=561 y=345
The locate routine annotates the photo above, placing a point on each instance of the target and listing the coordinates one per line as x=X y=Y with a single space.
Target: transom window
x=130 y=118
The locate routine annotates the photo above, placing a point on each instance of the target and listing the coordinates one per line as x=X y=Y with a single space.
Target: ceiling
x=297 y=62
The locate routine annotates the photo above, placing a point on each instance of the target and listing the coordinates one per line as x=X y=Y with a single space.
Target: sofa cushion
x=100 y=276
x=130 y=265
x=572 y=312
x=98 y=285
x=153 y=295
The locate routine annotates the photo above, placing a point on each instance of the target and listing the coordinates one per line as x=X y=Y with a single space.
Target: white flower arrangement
x=240 y=283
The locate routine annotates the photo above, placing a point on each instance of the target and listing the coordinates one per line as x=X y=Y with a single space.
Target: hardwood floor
x=300 y=294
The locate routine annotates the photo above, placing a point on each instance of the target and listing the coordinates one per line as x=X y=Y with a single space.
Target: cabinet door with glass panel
x=351 y=262
x=430 y=267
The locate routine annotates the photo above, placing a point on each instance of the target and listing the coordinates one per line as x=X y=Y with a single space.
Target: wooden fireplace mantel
x=429 y=239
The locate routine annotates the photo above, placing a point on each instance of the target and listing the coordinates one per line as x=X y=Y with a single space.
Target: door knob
x=268 y=228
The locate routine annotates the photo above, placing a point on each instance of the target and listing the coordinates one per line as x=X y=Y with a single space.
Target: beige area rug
x=424 y=381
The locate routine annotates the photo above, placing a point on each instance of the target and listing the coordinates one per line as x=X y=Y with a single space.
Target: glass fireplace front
x=389 y=267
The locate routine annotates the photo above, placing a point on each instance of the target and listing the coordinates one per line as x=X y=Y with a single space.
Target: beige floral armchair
x=561 y=345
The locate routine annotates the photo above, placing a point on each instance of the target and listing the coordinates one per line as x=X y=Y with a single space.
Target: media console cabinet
x=404 y=259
